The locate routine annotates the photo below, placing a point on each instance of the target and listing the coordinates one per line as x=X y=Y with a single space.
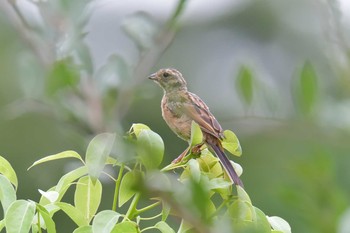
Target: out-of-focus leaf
x=87 y=196
x=19 y=216
x=150 y=148
x=126 y=227
x=231 y=143
x=98 y=152
x=245 y=84
x=84 y=55
x=7 y=170
x=262 y=223
x=164 y=227
x=344 y=222
x=141 y=28
x=136 y=129
x=127 y=187
x=7 y=193
x=2 y=224
x=63 y=74
x=62 y=155
x=307 y=89
x=113 y=74
x=279 y=224
x=105 y=221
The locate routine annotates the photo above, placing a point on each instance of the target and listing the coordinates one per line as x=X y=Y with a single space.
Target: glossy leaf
x=98 y=152
x=7 y=193
x=83 y=229
x=164 y=227
x=126 y=227
x=7 y=170
x=73 y=213
x=279 y=224
x=87 y=196
x=62 y=155
x=196 y=134
x=49 y=223
x=150 y=148
x=19 y=216
x=105 y=221
x=245 y=84
x=127 y=187
x=231 y=143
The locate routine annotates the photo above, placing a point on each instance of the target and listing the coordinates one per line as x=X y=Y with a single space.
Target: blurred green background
x=277 y=73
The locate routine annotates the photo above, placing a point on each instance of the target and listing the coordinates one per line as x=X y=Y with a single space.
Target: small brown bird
x=180 y=107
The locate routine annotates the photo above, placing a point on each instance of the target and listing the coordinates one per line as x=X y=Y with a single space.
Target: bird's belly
x=180 y=125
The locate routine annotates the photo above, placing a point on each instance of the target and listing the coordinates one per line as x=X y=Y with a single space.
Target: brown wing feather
x=199 y=112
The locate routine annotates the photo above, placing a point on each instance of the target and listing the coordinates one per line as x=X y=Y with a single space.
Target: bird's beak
x=152 y=76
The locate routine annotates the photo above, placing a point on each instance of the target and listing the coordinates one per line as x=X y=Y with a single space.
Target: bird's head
x=169 y=79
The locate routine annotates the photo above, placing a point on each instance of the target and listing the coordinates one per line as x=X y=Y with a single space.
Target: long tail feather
x=226 y=164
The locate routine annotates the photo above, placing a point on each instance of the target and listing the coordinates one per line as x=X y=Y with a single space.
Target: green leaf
x=164 y=227
x=98 y=152
x=50 y=195
x=105 y=221
x=62 y=155
x=19 y=216
x=73 y=213
x=196 y=134
x=261 y=221
x=194 y=169
x=7 y=193
x=126 y=227
x=136 y=129
x=83 y=229
x=242 y=195
x=2 y=224
x=127 y=187
x=241 y=210
x=84 y=54
x=7 y=170
x=63 y=74
x=150 y=148
x=279 y=224
x=245 y=84
x=231 y=143
x=87 y=197
x=307 y=88
x=49 y=223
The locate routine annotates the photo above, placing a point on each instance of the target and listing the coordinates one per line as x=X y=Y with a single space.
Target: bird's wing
x=197 y=110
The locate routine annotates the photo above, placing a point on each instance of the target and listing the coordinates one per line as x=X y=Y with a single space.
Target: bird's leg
x=181 y=156
x=196 y=150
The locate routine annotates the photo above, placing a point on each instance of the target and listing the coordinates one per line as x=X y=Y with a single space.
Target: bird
x=180 y=107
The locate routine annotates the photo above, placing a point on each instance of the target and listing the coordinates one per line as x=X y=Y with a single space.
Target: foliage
x=202 y=198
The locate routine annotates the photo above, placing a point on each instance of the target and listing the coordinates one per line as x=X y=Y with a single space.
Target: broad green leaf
x=245 y=84
x=164 y=227
x=2 y=224
x=279 y=224
x=194 y=169
x=7 y=193
x=150 y=148
x=64 y=74
x=137 y=128
x=231 y=143
x=87 y=197
x=241 y=210
x=242 y=195
x=7 y=170
x=238 y=168
x=307 y=88
x=127 y=187
x=62 y=155
x=19 y=216
x=83 y=229
x=196 y=134
x=105 y=221
x=218 y=183
x=67 y=180
x=73 y=213
x=98 y=152
x=49 y=223
x=126 y=227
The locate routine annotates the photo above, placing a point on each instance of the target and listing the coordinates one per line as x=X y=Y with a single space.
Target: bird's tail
x=226 y=164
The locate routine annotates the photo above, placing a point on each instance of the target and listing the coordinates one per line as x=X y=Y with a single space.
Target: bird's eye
x=165 y=74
